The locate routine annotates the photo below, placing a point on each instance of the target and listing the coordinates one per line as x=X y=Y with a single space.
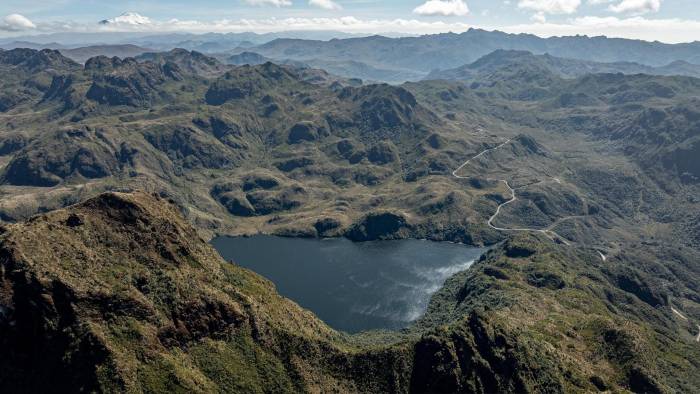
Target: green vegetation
x=122 y=293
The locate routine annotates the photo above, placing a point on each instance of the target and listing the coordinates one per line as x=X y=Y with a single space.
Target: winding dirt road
x=547 y=232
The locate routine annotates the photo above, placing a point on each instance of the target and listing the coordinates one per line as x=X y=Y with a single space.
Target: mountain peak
x=127 y=18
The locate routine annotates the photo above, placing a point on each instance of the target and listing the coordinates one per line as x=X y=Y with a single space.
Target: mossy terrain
x=125 y=296
x=122 y=293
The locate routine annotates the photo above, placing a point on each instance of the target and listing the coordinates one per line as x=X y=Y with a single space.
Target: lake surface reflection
x=353 y=286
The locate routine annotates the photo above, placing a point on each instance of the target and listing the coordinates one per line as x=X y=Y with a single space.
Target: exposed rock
x=326 y=226
x=549 y=280
x=189 y=147
x=382 y=153
x=378 y=225
x=293 y=164
x=436 y=141
x=131 y=84
x=11 y=143
x=519 y=251
x=237 y=204
x=247 y=81
x=53 y=157
x=256 y=200
x=301 y=132
x=252 y=182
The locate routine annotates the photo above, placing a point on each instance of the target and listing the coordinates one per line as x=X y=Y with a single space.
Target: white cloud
x=276 y=3
x=539 y=17
x=127 y=18
x=325 y=4
x=16 y=22
x=671 y=30
x=550 y=6
x=442 y=8
x=347 y=24
x=636 y=6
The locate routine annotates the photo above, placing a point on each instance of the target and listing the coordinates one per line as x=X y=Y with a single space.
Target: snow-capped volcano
x=127 y=18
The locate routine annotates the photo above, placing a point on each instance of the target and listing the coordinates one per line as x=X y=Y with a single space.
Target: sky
x=663 y=20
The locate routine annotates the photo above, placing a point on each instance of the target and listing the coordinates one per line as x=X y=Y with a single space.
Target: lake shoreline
x=353 y=286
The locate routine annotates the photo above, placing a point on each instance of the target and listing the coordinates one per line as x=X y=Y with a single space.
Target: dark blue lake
x=353 y=287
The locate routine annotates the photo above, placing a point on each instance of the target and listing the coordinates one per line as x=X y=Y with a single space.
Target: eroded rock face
x=52 y=158
x=380 y=225
x=382 y=153
x=245 y=82
x=476 y=359
x=34 y=61
x=301 y=132
x=293 y=164
x=189 y=147
x=130 y=83
x=258 y=196
x=11 y=143
x=327 y=226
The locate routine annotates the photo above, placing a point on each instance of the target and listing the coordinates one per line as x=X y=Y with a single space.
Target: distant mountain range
x=565 y=68
x=208 y=42
x=446 y=51
x=381 y=58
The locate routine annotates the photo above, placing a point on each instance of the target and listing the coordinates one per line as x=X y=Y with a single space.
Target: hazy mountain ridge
x=399 y=59
x=562 y=67
x=446 y=51
x=82 y=54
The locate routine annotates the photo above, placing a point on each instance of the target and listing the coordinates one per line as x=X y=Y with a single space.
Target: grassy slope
x=641 y=218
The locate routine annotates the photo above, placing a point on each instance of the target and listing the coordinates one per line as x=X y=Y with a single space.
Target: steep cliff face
x=119 y=293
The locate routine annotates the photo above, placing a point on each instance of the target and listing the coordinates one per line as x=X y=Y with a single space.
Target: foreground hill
x=120 y=294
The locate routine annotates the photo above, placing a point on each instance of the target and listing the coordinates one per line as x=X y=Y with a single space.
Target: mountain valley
x=582 y=177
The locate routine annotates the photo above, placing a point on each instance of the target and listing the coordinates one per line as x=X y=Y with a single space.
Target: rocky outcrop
x=128 y=83
x=11 y=143
x=378 y=225
x=293 y=164
x=189 y=147
x=247 y=81
x=258 y=196
x=301 y=132
x=54 y=157
x=34 y=61
x=382 y=153
x=477 y=358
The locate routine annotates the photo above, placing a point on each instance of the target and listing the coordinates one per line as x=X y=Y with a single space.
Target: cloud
x=127 y=18
x=636 y=6
x=326 y=4
x=442 y=8
x=16 y=22
x=347 y=24
x=276 y=3
x=550 y=6
x=539 y=17
x=671 y=30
